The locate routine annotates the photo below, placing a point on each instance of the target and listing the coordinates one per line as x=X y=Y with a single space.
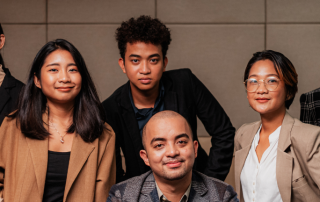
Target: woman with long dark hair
x=10 y=87
x=277 y=158
x=56 y=146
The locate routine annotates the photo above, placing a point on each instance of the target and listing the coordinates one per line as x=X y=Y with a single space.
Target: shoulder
x=130 y=187
x=108 y=104
x=107 y=134
x=245 y=128
x=216 y=187
x=304 y=134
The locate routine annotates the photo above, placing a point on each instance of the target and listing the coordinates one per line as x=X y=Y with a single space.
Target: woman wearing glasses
x=277 y=158
x=56 y=146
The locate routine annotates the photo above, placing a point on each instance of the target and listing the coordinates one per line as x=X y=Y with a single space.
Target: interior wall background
x=214 y=38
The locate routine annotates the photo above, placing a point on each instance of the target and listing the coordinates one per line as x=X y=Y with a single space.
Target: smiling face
x=169 y=148
x=263 y=100
x=60 y=80
x=144 y=65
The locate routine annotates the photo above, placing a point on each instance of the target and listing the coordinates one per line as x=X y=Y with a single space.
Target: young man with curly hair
x=143 y=45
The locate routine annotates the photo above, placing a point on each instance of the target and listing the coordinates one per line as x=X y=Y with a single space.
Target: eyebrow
x=57 y=64
x=163 y=139
x=267 y=75
x=150 y=56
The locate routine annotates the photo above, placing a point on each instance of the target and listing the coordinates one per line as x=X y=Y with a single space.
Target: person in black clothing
x=10 y=87
x=143 y=44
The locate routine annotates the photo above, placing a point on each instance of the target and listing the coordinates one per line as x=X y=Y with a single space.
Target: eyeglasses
x=271 y=84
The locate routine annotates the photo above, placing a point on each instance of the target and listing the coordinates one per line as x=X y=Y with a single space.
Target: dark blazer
x=185 y=94
x=310 y=107
x=143 y=189
x=9 y=94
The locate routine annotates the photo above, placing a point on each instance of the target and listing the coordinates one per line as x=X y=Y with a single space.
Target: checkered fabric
x=310 y=107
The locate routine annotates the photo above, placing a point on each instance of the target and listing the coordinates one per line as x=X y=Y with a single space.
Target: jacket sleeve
x=113 y=123
x=313 y=158
x=3 y=153
x=219 y=127
x=106 y=175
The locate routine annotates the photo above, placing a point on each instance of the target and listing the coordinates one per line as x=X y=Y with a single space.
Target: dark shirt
x=56 y=177
x=143 y=115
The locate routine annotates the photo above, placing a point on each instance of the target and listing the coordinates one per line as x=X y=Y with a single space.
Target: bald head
x=163 y=116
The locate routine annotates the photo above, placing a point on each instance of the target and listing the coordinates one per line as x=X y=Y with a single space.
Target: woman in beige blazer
x=56 y=146
x=278 y=157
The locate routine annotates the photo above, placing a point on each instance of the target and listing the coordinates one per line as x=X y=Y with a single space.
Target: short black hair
x=1 y=30
x=283 y=67
x=88 y=114
x=143 y=29
x=1 y=60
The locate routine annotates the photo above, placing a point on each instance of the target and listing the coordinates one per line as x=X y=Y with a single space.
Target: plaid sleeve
x=310 y=107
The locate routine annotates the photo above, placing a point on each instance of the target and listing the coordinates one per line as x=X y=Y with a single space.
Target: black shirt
x=143 y=115
x=56 y=177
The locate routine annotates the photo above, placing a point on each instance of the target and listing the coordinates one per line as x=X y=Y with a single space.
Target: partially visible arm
x=313 y=158
x=219 y=127
x=106 y=175
x=113 y=123
x=3 y=153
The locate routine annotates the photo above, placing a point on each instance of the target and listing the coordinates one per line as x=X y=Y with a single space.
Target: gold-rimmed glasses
x=271 y=83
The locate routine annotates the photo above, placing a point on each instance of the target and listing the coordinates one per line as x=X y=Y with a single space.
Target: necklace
x=61 y=136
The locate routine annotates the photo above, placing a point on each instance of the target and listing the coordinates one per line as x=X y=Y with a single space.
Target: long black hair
x=1 y=60
x=88 y=115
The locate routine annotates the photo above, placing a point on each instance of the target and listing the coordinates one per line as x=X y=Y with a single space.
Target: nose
x=172 y=151
x=64 y=77
x=262 y=87
x=144 y=68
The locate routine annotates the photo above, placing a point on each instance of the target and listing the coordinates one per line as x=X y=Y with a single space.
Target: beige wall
x=214 y=38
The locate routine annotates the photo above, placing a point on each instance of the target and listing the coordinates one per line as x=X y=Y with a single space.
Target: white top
x=258 y=180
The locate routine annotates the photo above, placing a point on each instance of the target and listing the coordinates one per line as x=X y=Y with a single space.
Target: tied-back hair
x=88 y=114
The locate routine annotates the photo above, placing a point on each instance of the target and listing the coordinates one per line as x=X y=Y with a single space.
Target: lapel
x=241 y=155
x=284 y=160
x=130 y=122
x=39 y=154
x=80 y=152
x=198 y=189
x=7 y=83
x=170 y=97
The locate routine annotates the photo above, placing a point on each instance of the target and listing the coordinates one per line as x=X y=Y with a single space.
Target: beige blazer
x=23 y=166
x=298 y=159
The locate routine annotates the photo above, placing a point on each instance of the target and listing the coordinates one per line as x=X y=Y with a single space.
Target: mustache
x=173 y=160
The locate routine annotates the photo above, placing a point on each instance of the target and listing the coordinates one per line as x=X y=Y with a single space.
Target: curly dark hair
x=143 y=29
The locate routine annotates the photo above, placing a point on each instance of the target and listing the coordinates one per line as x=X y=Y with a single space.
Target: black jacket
x=310 y=107
x=185 y=94
x=9 y=94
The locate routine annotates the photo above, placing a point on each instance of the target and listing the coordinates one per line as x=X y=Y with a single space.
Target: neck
x=174 y=189
x=270 y=122
x=61 y=113
x=144 y=99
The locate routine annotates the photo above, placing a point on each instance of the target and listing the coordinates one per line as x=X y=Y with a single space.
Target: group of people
x=58 y=142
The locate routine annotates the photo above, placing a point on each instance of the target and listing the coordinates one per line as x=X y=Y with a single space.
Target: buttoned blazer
x=23 y=166
x=310 y=107
x=185 y=94
x=9 y=94
x=143 y=189
x=298 y=159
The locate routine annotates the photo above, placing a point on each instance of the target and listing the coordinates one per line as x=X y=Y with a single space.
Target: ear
x=165 y=61
x=36 y=81
x=144 y=156
x=195 y=147
x=2 y=40
x=121 y=64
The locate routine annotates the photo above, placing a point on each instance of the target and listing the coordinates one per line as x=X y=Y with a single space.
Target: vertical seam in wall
x=155 y=9
x=47 y=21
x=265 y=24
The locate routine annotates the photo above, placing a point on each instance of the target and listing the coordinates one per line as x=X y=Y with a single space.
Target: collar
x=2 y=74
x=273 y=137
x=144 y=112
x=162 y=197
